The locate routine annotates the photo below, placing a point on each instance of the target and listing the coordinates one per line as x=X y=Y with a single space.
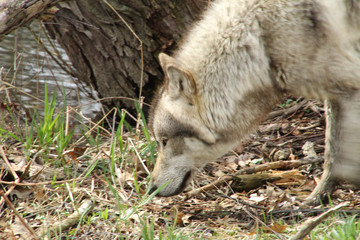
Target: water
x=26 y=65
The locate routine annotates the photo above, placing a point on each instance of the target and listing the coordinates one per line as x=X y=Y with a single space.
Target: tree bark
x=16 y=13
x=106 y=51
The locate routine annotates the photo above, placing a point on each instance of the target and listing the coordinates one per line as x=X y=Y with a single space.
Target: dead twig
x=16 y=177
x=280 y=164
x=310 y=224
x=8 y=163
x=41 y=183
x=258 y=168
x=95 y=125
x=28 y=165
x=288 y=111
x=72 y=219
x=308 y=211
x=19 y=90
x=258 y=220
x=12 y=207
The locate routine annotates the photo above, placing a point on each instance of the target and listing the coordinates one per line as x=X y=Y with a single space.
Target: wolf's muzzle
x=166 y=193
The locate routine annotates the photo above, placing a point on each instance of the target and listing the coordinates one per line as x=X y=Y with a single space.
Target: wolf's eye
x=164 y=142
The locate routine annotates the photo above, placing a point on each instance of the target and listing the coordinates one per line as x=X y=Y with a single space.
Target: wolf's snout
x=152 y=189
x=170 y=187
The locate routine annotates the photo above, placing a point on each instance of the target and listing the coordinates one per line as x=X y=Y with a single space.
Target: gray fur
x=234 y=66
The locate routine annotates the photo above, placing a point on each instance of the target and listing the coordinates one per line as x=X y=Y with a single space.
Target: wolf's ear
x=179 y=81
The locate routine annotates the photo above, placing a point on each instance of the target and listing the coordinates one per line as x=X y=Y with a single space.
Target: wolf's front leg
x=332 y=136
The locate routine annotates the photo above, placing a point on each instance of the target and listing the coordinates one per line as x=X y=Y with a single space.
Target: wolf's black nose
x=153 y=189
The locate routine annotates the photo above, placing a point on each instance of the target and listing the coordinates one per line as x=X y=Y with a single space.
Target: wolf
x=234 y=66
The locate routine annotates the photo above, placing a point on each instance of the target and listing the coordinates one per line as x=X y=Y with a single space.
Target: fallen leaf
x=274 y=227
x=40 y=194
x=21 y=193
x=254 y=197
x=219 y=173
x=289 y=178
x=20 y=230
x=75 y=153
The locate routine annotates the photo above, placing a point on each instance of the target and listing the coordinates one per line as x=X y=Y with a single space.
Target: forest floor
x=88 y=182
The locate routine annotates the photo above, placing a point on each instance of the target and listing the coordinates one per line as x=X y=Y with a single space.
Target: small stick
x=310 y=224
x=139 y=157
x=16 y=177
x=8 y=163
x=287 y=111
x=19 y=90
x=254 y=169
x=41 y=183
x=207 y=187
x=280 y=164
x=71 y=219
x=28 y=165
x=95 y=125
x=28 y=227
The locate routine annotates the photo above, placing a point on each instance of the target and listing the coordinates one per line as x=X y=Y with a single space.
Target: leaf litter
x=98 y=190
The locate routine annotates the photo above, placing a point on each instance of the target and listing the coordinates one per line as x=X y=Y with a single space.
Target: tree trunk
x=16 y=13
x=117 y=55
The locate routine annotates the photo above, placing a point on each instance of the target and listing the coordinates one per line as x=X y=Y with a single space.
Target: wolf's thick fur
x=234 y=66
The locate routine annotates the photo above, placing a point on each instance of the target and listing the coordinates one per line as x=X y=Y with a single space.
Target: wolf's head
x=185 y=143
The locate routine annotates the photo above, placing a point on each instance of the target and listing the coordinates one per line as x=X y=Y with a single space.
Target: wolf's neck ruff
x=225 y=54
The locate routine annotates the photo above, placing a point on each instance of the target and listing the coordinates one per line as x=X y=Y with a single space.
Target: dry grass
x=95 y=187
